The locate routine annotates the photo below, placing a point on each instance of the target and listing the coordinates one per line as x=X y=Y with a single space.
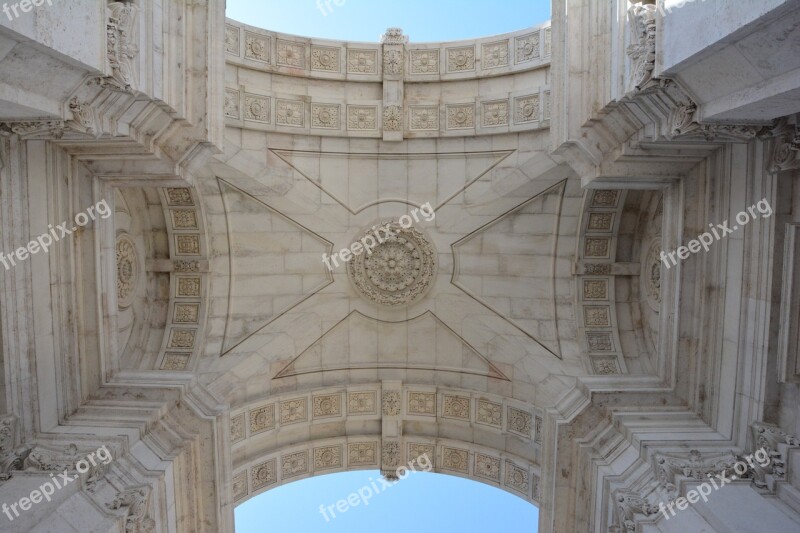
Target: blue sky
x=421 y=503
x=366 y=20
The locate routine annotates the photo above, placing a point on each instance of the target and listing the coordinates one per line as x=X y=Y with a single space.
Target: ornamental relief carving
x=257 y=108
x=231 y=105
x=325 y=59
x=175 y=361
x=424 y=61
x=291 y=54
x=325 y=116
x=495 y=54
x=455 y=459
x=262 y=419
x=362 y=117
x=520 y=422
x=127 y=270
x=526 y=48
x=460 y=116
x=487 y=467
x=455 y=407
x=328 y=457
x=422 y=403
x=327 y=406
x=400 y=269
x=232 y=39
x=134 y=502
x=642 y=50
x=290 y=113
x=362 y=61
x=489 y=413
x=393 y=59
x=651 y=275
x=121 y=44
x=360 y=403
x=257 y=47
x=362 y=453
x=264 y=474
x=517 y=478
x=424 y=118
x=461 y=59
x=294 y=464
x=393 y=118
x=293 y=411
x=391 y=403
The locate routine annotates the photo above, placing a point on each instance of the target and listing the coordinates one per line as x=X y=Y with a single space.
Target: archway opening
x=362 y=20
x=362 y=501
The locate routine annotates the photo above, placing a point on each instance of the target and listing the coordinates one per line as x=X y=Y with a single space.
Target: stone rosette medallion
x=399 y=271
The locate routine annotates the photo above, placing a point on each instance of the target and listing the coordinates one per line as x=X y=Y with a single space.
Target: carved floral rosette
x=398 y=271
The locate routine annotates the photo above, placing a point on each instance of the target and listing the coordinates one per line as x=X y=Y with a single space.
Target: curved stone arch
x=383 y=426
x=188 y=268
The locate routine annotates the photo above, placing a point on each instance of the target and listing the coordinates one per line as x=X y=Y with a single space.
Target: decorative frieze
x=517 y=478
x=264 y=474
x=393 y=118
x=257 y=108
x=455 y=406
x=460 y=59
x=424 y=118
x=526 y=48
x=460 y=116
x=362 y=454
x=520 y=422
x=262 y=419
x=391 y=403
x=291 y=54
x=362 y=118
x=328 y=457
x=326 y=116
x=237 y=428
x=294 y=464
x=424 y=61
x=487 y=467
x=325 y=59
x=326 y=405
x=455 y=459
x=362 y=61
x=422 y=403
x=294 y=411
x=526 y=109
x=257 y=47
x=489 y=413
x=175 y=361
x=494 y=55
x=362 y=403
x=290 y=113
x=232 y=37
x=231 y=105
x=495 y=113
